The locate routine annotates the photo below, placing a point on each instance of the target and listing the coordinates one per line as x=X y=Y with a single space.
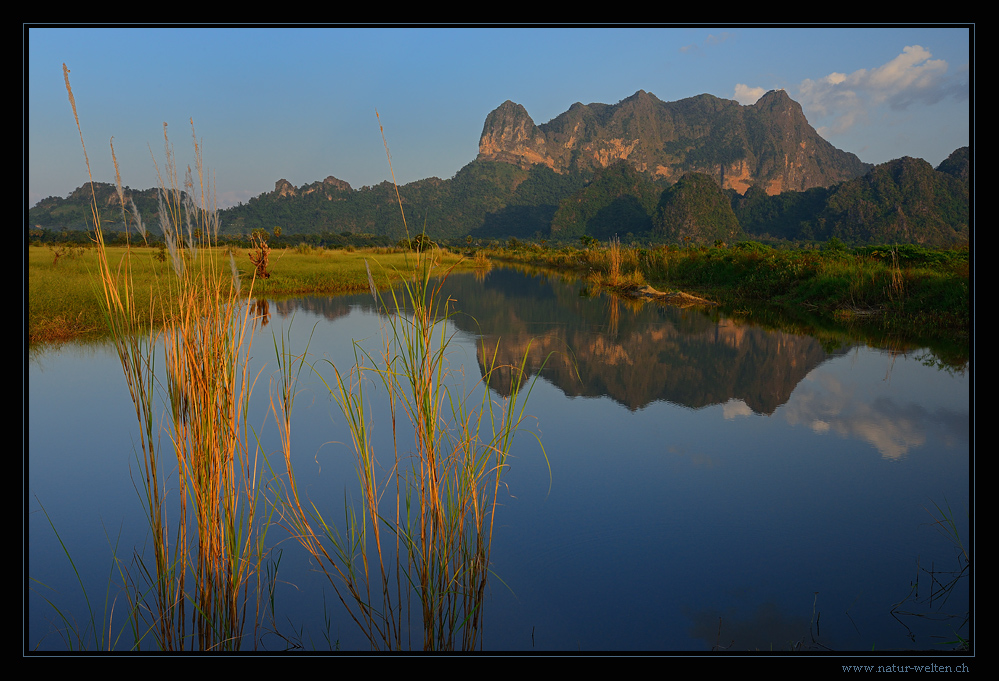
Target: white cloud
x=746 y=95
x=912 y=76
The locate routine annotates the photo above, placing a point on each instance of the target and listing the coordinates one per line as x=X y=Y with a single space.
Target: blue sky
x=299 y=103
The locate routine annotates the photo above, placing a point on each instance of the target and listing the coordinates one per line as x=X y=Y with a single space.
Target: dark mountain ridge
x=902 y=201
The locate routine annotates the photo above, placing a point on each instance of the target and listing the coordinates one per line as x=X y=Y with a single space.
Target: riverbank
x=901 y=287
x=63 y=291
x=882 y=294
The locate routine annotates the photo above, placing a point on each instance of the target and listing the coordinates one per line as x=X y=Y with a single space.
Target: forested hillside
x=699 y=170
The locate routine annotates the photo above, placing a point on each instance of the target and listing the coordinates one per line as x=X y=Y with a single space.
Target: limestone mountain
x=331 y=188
x=768 y=144
x=641 y=169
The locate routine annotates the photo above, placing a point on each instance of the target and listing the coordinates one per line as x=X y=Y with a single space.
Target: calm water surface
x=711 y=483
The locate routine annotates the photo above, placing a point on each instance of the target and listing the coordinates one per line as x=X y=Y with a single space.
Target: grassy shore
x=63 y=297
x=903 y=289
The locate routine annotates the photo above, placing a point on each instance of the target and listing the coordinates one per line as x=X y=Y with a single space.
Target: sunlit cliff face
x=769 y=144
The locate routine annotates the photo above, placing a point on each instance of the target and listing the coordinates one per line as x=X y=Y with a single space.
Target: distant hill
x=485 y=200
x=617 y=201
x=901 y=201
x=602 y=170
x=695 y=210
x=75 y=213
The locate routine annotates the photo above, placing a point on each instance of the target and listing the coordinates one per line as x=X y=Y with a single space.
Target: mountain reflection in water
x=634 y=352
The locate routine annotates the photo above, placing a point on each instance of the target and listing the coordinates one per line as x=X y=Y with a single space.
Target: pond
x=705 y=484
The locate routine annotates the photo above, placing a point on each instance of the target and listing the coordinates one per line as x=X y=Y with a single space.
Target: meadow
x=903 y=288
x=64 y=294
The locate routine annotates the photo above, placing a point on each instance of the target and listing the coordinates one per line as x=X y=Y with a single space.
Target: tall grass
x=422 y=534
x=896 y=282
x=420 y=539
x=614 y=261
x=419 y=542
x=203 y=580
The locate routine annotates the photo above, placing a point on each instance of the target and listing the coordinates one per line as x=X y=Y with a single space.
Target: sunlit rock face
x=769 y=143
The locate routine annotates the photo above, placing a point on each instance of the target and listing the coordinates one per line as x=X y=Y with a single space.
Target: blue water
x=703 y=483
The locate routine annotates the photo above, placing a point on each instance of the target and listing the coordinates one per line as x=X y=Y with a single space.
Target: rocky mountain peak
x=284 y=188
x=333 y=183
x=769 y=143
x=773 y=98
x=509 y=135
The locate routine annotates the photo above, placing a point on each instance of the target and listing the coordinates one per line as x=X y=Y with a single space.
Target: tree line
x=902 y=201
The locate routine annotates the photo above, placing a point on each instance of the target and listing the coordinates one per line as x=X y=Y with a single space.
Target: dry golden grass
x=206 y=336
x=425 y=526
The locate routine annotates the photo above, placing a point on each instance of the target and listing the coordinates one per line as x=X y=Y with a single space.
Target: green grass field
x=906 y=288
x=63 y=291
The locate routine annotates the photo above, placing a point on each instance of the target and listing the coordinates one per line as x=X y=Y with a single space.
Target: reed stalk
x=204 y=578
x=423 y=531
x=614 y=254
x=896 y=286
x=422 y=534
